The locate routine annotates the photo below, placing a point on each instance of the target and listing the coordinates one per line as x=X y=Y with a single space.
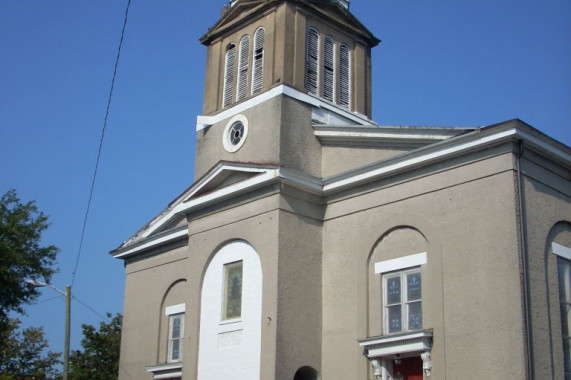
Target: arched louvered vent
x=344 y=77
x=258 y=69
x=312 y=61
x=229 y=69
x=328 y=68
x=243 y=63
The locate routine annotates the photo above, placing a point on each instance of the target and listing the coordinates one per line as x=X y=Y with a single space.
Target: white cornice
x=376 y=135
x=152 y=242
x=207 y=190
x=203 y=122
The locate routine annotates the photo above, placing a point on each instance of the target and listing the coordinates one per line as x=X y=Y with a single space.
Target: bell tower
x=274 y=69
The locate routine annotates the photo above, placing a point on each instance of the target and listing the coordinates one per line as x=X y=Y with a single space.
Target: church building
x=315 y=243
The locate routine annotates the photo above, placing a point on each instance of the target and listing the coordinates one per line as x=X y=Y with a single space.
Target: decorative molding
x=377 y=369
x=426 y=364
x=165 y=371
x=561 y=251
x=412 y=341
x=401 y=263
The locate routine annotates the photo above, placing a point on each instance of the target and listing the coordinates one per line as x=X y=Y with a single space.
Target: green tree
x=22 y=255
x=23 y=355
x=99 y=359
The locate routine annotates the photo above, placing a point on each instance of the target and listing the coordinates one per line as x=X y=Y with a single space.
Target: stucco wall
x=547 y=194
x=146 y=285
x=466 y=211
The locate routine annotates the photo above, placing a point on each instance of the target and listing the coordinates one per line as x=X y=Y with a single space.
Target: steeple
x=273 y=67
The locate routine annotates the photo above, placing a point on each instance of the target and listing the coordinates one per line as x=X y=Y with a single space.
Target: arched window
x=243 y=63
x=344 y=77
x=229 y=69
x=258 y=68
x=312 y=61
x=329 y=68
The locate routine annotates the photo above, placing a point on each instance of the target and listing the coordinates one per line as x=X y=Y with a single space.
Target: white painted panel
x=561 y=250
x=401 y=263
x=175 y=309
x=231 y=349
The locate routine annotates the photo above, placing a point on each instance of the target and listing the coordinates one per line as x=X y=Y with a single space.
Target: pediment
x=223 y=180
x=243 y=11
x=233 y=17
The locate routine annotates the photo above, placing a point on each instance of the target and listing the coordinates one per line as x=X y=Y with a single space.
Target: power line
x=101 y=142
x=90 y=308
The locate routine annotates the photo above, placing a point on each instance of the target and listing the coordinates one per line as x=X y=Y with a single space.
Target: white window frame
x=405 y=303
x=258 y=57
x=403 y=266
x=175 y=312
x=564 y=260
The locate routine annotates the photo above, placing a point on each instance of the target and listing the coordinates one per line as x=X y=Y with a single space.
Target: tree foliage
x=22 y=256
x=99 y=359
x=23 y=354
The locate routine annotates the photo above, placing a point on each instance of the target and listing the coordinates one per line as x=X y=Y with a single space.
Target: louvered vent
x=243 y=63
x=344 y=77
x=229 y=75
x=311 y=61
x=328 y=68
x=258 y=71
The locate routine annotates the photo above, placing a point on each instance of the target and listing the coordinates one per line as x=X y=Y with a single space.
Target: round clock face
x=235 y=133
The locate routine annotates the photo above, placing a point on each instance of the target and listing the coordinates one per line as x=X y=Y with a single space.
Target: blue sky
x=444 y=63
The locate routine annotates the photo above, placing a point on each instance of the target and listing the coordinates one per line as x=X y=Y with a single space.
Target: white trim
x=397 y=344
x=165 y=371
x=561 y=251
x=401 y=263
x=228 y=146
x=155 y=242
x=414 y=161
x=203 y=122
x=175 y=309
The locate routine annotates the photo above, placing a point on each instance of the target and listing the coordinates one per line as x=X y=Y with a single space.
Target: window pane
x=393 y=290
x=414 y=289
x=233 y=290
x=395 y=318
x=175 y=328
x=415 y=316
x=175 y=349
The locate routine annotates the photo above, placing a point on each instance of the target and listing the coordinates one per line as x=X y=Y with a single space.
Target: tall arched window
x=344 y=77
x=243 y=63
x=329 y=69
x=312 y=61
x=228 y=93
x=258 y=68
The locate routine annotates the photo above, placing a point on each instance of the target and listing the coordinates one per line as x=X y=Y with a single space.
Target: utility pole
x=67 y=295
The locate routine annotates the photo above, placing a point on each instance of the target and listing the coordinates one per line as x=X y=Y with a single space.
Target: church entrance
x=408 y=369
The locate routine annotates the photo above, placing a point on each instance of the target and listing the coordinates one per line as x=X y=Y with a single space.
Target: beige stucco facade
x=325 y=204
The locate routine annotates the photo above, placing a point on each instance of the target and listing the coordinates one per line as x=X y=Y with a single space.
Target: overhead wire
x=74 y=273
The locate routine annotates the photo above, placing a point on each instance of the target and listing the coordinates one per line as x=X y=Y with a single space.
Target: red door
x=409 y=369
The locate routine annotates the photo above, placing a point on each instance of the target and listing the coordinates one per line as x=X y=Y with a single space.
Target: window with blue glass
x=176 y=326
x=402 y=301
